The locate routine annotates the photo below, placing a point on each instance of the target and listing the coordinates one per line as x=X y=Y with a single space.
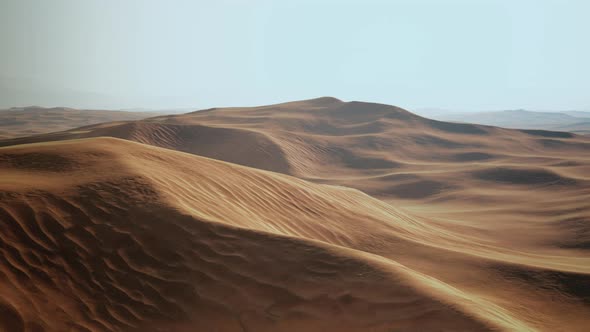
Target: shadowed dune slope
x=26 y=121
x=105 y=234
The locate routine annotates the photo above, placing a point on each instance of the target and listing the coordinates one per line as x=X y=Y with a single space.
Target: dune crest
x=437 y=199
x=450 y=171
x=122 y=241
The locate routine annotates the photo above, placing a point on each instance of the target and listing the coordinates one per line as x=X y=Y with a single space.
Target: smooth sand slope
x=26 y=121
x=467 y=228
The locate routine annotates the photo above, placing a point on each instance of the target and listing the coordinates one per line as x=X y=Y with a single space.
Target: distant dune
x=572 y=121
x=450 y=227
x=26 y=121
x=377 y=148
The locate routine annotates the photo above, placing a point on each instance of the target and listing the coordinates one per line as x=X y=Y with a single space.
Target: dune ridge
x=456 y=227
x=110 y=237
x=450 y=171
x=101 y=238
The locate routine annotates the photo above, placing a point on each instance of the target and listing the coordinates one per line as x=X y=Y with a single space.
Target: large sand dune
x=467 y=228
x=451 y=170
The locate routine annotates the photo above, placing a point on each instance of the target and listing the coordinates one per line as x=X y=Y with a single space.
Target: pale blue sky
x=454 y=54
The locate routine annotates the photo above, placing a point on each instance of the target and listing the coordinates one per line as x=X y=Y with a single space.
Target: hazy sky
x=471 y=54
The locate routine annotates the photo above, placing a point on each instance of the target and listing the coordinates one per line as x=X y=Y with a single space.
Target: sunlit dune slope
x=106 y=234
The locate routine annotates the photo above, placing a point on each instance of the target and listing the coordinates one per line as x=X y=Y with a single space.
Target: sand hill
x=457 y=227
x=457 y=171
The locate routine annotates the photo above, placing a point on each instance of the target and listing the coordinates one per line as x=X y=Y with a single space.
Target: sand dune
x=121 y=241
x=26 y=121
x=457 y=227
x=106 y=235
x=384 y=151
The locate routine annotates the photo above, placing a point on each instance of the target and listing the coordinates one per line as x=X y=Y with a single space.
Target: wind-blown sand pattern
x=457 y=227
